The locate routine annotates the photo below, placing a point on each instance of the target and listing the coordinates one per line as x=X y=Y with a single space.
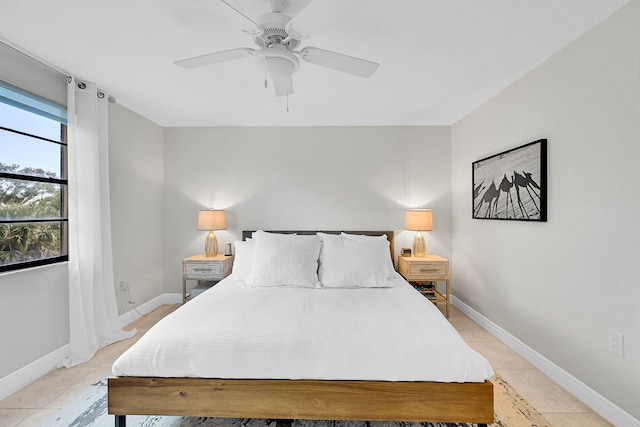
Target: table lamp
x=419 y=220
x=211 y=220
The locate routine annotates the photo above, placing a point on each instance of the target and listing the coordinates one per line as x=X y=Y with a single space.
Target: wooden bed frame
x=302 y=399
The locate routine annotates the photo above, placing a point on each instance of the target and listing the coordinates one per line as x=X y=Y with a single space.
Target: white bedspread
x=229 y=331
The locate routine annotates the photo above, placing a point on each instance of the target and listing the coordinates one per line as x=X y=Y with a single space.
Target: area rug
x=90 y=409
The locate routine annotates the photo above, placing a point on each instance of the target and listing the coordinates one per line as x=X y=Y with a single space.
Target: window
x=33 y=180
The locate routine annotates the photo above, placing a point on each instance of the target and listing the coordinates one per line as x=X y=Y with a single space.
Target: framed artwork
x=512 y=185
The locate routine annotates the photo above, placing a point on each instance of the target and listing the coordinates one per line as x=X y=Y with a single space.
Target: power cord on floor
x=124 y=286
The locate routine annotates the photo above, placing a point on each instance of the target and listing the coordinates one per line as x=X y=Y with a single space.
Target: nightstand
x=203 y=268
x=421 y=272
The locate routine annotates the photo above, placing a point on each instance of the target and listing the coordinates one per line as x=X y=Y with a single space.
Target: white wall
x=559 y=285
x=34 y=315
x=136 y=178
x=278 y=178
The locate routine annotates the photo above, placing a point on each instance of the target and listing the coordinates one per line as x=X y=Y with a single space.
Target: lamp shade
x=418 y=220
x=212 y=220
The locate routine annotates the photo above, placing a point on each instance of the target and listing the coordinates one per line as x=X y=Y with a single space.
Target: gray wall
x=303 y=178
x=559 y=285
x=136 y=176
x=34 y=315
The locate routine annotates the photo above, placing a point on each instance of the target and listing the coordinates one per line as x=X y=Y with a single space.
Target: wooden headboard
x=247 y=233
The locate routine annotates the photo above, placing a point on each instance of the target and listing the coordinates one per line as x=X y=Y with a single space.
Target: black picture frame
x=511 y=185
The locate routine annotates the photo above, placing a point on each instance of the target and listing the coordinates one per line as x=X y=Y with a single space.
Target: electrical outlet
x=615 y=342
x=122 y=285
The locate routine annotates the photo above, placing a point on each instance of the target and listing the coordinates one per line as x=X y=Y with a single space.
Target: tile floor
x=41 y=400
x=557 y=405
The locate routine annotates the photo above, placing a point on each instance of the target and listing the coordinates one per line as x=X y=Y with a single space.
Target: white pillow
x=349 y=263
x=380 y=249
x=284 y=260
x=242 y=259
x=326 y=236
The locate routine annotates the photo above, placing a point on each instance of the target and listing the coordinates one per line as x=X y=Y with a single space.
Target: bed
x=324 y=344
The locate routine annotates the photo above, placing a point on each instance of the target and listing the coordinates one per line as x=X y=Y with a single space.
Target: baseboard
x=148 y=307
x=24 y=376
x=600 y=404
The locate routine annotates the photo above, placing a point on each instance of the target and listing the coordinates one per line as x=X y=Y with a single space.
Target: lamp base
x=211 y=245
x=419 y=245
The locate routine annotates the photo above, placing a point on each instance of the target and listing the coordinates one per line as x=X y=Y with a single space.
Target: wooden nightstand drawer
x=428 y=270
x=200 y=270
x=203 y=268
x=424 y=268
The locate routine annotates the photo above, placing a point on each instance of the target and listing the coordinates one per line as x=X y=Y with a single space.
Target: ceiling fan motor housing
x=273 y=31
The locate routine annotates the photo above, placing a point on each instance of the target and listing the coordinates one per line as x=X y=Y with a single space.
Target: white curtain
x=93 y=314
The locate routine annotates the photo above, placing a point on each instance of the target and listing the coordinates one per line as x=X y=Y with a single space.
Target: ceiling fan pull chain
x=265 y=81
x=287 y=103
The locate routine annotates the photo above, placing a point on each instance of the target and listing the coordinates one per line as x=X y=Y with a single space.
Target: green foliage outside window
x=29 y=200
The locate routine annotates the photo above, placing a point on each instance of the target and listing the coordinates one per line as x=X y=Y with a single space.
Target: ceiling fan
x=277 y=36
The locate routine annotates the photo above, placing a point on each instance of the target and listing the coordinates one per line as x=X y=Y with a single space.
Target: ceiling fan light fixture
x=278 y=68
x=277 y=62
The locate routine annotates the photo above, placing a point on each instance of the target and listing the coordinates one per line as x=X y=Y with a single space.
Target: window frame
x=63 y=219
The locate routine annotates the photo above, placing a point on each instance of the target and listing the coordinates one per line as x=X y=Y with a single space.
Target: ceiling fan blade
x=214 y=58
x=339 y=62
x=317 y=15
x=243 y=19
x=283 y=86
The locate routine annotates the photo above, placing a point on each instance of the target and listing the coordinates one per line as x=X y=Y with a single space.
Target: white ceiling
x=439 y=59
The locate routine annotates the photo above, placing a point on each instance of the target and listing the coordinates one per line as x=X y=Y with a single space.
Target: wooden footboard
x=303 y=399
